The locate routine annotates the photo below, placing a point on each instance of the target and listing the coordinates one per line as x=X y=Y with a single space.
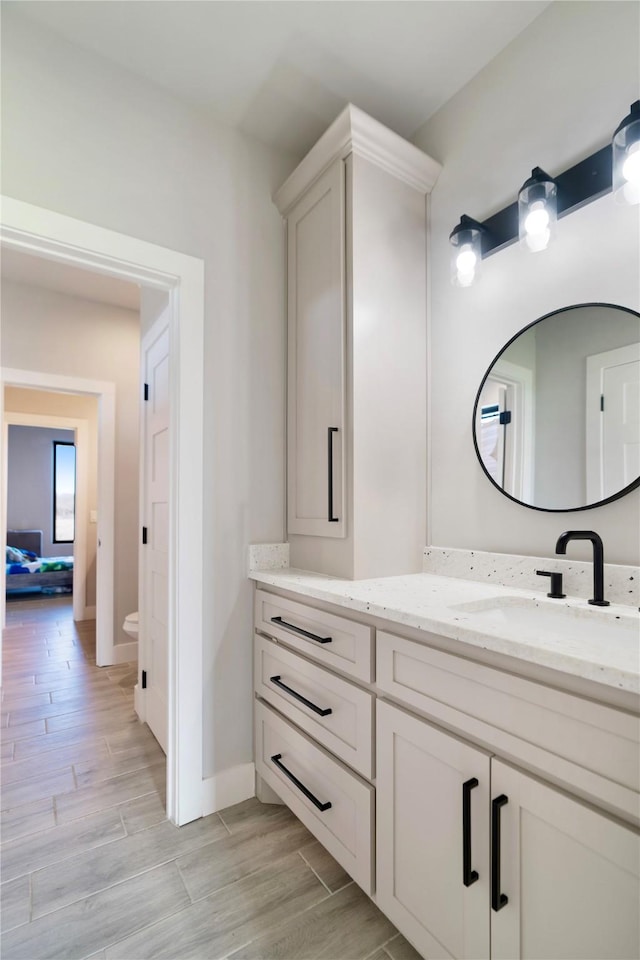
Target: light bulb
x=538 y=241
x=465 y=279
x=537 y=220
x=631 y=166
x=466 y=260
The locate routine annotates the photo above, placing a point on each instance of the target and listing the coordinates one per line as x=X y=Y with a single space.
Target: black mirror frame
x=530 y=506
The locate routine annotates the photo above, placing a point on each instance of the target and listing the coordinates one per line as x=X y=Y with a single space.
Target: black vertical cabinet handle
x=498 y=899
x=330 y=433
x=469 y=876
x=276 y=758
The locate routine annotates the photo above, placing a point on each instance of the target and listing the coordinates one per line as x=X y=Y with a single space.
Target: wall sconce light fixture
x=537 y=210
x=543 y=199
x=626 y=157
x=466 y=240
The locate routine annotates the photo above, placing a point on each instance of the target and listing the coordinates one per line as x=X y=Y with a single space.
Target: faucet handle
x=556 y=583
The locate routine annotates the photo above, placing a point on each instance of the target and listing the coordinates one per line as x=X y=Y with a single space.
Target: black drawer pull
x=303 y=633
x=314 y=800
x=498 y=900
x=298 y=696
x=469 y=876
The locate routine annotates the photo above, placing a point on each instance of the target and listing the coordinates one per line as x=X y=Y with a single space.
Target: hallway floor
x=92 y=868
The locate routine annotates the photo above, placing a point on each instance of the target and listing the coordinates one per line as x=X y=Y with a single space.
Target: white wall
x=30 y=483
x=54 y=333
x=87 y=139
x=19 y=400
x=551 y=98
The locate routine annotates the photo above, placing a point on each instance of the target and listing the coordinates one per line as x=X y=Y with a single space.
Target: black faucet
x=598 y=560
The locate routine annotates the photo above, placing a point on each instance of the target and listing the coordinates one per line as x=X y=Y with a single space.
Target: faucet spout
x=598 y=560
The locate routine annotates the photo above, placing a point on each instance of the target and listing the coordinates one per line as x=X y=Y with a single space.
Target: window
x=64 y=491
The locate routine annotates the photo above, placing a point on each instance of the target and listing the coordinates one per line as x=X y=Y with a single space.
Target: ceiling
x=282 y=71
x=72 y=281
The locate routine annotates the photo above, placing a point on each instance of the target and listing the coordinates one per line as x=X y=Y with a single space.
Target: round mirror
x=556 y=423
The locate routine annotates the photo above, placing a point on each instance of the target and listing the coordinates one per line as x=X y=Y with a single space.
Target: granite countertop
x=578 y=645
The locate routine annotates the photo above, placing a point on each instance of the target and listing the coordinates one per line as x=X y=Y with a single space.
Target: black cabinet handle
x=298 y=696
x=314 y=800
x=330 y=433
x=498 y=900
x=303 y=633
x=469 y=876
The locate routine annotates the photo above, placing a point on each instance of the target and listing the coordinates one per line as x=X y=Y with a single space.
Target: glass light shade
x=466 y=255
x=626 y=157
x=537 y=211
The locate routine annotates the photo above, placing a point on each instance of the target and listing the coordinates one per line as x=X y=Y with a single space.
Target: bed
x=27 y=569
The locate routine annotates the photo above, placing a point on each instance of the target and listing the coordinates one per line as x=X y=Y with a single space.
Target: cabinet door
x=569 y=873
x=316 y=359
x=421 y=778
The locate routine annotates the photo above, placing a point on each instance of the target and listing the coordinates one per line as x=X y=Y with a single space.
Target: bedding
x=40 y=565
x=27 y=570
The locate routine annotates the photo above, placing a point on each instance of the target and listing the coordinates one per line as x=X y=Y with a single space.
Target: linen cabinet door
x=316 y=358
x=570 y=875
x=432 y=795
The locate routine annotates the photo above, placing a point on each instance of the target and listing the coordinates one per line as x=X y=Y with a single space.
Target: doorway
x=180 y=281
x=104 y=393
x=39 y=505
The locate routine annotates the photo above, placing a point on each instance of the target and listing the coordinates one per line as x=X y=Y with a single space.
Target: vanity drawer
x=592 y=748
x=346 y=729
x=325 y=637
x=345 y=827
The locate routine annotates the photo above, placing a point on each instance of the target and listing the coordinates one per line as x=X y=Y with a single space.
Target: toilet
x=130 y=625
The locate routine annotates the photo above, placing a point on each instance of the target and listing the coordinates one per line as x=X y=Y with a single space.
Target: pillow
x=14 y=555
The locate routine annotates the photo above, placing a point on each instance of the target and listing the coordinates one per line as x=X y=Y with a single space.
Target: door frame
x=520 y=454
x=80 y=428
x=51 y=235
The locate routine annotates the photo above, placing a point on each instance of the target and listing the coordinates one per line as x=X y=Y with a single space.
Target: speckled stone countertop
x=600 y=644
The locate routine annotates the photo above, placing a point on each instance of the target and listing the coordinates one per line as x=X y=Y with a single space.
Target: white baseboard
x=228 y=787
x=125 y=652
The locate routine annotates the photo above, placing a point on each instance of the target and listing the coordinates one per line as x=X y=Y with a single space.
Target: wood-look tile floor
x=91 y=867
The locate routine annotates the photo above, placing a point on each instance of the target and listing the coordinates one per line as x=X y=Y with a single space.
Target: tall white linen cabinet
x=356 y=222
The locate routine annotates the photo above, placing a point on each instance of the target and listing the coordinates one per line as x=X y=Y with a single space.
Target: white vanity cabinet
x=317 y=341
x=525 y=871
x=489 y=814
x=314 y=737
x=571 y=875
x=355 y=218
x=422 y=775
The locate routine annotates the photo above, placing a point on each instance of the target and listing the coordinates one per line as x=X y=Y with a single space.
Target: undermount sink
x=537 y=618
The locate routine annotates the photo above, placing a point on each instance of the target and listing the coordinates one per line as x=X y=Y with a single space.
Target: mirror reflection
x=557 y=415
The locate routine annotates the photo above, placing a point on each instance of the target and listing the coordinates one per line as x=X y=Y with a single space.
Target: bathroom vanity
x=468 y=752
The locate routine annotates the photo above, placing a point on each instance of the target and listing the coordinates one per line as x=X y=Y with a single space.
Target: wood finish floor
x=92 y=868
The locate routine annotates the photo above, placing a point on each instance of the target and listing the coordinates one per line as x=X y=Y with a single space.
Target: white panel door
x=423 y=778
x=316 y=358
x=613 y=421
x=569 y=873
x=621 y=426
x=154 y=612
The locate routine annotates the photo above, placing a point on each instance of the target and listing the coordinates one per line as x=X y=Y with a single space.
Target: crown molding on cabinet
x=355 y=132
